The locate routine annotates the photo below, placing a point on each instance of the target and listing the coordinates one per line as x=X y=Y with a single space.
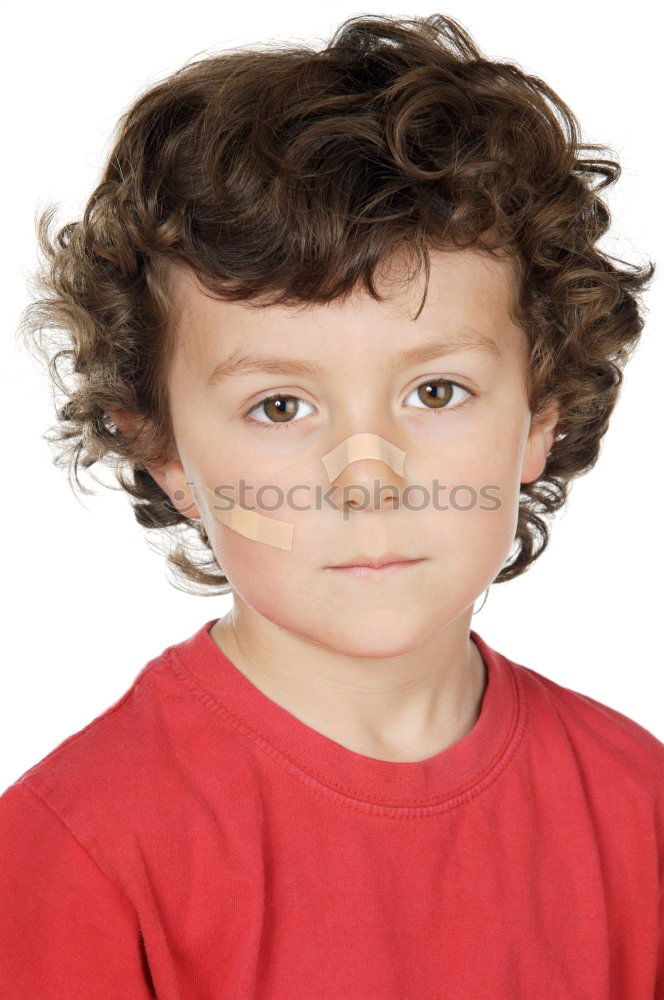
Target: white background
x=87 y=602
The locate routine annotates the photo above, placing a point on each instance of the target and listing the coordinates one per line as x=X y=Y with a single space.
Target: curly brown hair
x=288 y=175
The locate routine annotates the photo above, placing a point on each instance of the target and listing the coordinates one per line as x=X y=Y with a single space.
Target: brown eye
x=437 y=393
x=279 y=409
x=433 y=392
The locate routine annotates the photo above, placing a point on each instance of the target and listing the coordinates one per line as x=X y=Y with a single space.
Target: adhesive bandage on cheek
x=255 y=526
x=279 y=534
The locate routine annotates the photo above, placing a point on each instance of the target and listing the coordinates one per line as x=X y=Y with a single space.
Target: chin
x=374 y=640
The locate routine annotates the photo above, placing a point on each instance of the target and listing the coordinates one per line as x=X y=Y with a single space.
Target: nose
x=367 y=484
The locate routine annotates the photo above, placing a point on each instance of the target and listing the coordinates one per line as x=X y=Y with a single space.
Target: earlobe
x=540 y=441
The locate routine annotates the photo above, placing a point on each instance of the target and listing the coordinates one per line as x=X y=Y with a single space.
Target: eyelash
x=275 y=425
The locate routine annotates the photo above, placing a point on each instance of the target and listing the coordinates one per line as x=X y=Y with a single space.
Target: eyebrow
x=247 y=364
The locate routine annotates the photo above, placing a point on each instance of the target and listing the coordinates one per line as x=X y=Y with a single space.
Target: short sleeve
x=66 y=931
x=659 y=985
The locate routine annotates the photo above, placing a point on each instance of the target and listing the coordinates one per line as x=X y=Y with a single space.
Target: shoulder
x=100 y=776
x=132 y=766
x=114 y=732
x=597 y=732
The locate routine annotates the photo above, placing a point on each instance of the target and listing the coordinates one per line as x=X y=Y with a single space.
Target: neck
x=401 y=708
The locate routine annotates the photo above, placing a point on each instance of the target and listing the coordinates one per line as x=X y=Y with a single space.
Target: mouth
x=385 y=566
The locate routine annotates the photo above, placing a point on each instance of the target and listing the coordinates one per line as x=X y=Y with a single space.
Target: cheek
x=479 y=539
x=266 y=579
x=478 y=526
x=249 y=563
x=484 y=463
x=253 y=567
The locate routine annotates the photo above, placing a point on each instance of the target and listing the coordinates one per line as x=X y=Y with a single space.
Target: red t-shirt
x=196 y=841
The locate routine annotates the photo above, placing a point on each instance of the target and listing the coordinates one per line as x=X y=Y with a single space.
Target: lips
x=376 y=572
x=389 y=559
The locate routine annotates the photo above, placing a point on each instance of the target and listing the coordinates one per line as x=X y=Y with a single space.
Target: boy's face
x=484 y=445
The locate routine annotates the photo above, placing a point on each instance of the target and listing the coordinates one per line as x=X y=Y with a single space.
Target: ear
x=540 y=441
x=169 y=474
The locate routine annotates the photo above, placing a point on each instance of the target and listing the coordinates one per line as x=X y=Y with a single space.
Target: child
x=340 y=790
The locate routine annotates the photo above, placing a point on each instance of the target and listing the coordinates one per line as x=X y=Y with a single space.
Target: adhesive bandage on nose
x=360 y=446
x=279 y=534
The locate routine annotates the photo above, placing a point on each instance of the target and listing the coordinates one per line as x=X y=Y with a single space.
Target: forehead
x=467 y=289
